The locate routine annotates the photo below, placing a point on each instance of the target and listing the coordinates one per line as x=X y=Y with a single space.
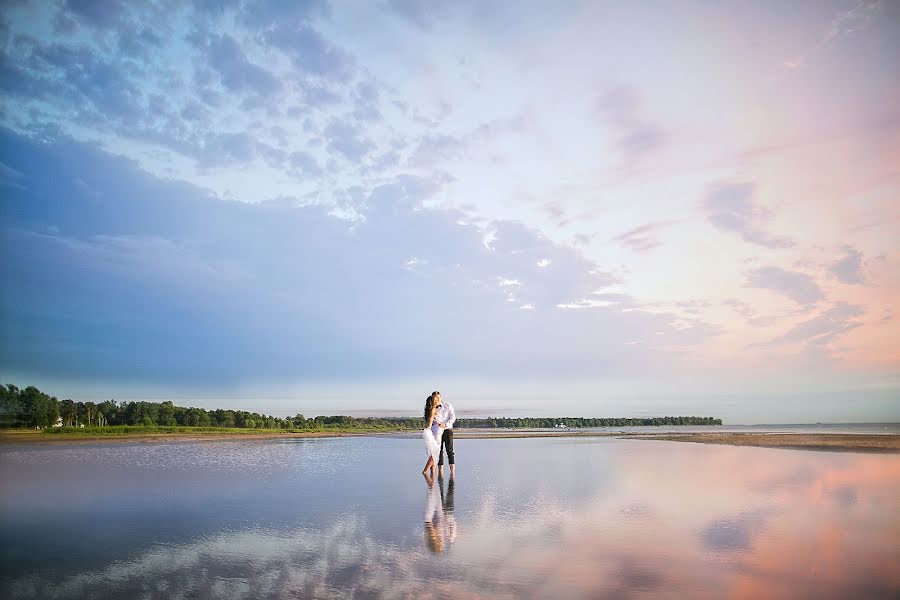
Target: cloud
x=304 y=163
x=434 y=149
x=9 y=177
x=227 y=57
x=799 y=287
x=210 y=107
x=742 y=308
x=144 y=278
x=310 y=52
x=637 y=138
x=347 y=140
x=227 y=148
x=261 y=14
x=98 y=14
x=849 y=268
x=366 y=97
x=138 y=42
x=97 y=84
x=849 y=22
x=729 y=207
x=641 y=238
x=416 y=12
x=845 y=24
x=824 y=328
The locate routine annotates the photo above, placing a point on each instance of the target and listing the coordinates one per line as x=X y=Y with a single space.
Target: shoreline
x=30 y=438
x=835 y=442
x=862 y=442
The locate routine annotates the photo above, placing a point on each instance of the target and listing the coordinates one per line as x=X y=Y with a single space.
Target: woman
x=432 y=433
x=434 y=519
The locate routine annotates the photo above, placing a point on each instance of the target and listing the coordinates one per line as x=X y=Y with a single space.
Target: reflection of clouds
x=341 y=559
x=636 y=511
x=677 y=520
x=733 y=534
x=845 y=495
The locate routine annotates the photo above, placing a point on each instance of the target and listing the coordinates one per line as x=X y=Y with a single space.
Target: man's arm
x=452 y=416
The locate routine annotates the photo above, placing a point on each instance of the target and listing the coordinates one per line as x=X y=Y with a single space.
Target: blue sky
x=584 y=208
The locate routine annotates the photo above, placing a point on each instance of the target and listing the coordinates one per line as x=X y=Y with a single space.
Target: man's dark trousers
x=447 y=441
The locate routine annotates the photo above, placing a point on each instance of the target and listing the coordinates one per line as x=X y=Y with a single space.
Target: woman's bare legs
x=429 y=465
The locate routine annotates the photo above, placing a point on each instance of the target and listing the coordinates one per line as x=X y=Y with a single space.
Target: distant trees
x=576 y=422
x=9 y=406
x=69 y=412
x=27 y=408
x=32 y=408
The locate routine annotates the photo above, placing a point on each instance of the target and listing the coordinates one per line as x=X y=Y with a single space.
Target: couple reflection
x=440 y=524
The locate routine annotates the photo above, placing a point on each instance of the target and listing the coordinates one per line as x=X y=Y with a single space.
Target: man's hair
x=435 y=393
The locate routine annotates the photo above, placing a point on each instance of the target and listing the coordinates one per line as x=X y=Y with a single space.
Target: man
x=446 y=415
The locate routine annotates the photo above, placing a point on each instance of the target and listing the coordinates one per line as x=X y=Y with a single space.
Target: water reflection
x=440 y=522
x=587 y=519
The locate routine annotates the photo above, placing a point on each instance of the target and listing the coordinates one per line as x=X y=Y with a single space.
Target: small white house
x=58 y=422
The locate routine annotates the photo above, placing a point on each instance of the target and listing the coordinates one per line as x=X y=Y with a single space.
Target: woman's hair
x=429 y=404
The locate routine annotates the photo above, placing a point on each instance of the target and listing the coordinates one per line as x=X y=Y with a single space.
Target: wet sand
x=800 y=441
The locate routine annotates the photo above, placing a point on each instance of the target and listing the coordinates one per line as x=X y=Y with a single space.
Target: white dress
x=432 y=445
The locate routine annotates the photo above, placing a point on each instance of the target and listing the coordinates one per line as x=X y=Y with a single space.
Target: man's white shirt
x=446 y=414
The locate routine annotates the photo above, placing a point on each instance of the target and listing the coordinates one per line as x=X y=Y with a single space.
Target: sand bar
x=801 y=441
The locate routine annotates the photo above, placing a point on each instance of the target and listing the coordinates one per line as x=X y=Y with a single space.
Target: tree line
x=575 y=422
x=30 y=407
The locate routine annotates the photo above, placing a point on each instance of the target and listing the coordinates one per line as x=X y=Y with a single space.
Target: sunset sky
x=585 y=208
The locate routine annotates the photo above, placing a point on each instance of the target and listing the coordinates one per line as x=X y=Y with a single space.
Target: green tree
x=110 y=411
x=68 y=412
x=166 y=413
x=10 y=411
x=39 y=409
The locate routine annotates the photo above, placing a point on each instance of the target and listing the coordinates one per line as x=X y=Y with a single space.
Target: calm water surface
x=525 y=518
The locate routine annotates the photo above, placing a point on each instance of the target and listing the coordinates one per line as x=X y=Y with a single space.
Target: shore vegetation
x=30 y=409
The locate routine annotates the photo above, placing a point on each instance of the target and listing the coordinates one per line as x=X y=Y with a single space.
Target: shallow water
x=540 y=517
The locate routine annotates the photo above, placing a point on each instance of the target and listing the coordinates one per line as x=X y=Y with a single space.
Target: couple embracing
x=438 y=435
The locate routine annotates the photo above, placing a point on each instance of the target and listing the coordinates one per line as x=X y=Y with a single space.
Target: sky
x=572 y=208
